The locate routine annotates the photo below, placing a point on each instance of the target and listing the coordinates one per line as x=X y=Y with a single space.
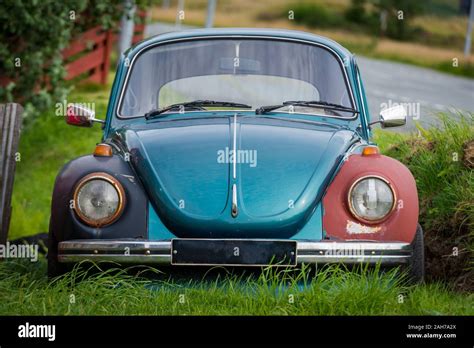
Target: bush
x=439 y=161
x=33 y=33
x=356 y=12
x=313 y=15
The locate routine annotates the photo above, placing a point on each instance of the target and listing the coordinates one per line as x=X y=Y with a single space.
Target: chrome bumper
x=159 y=252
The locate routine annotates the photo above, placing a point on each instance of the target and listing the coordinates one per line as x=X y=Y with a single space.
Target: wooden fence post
x=10 y=122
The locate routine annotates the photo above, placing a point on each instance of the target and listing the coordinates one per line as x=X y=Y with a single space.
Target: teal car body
x=175 y=187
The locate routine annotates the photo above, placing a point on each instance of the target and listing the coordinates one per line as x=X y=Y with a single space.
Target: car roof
x=250 y=32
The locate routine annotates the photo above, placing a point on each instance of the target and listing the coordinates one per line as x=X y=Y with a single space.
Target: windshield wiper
x=309 y=103
x=196 y=104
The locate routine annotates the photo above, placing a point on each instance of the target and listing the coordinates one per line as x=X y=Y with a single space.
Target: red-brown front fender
x=400 y=225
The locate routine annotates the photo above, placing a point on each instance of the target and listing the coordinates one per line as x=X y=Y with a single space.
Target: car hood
x=282 y=167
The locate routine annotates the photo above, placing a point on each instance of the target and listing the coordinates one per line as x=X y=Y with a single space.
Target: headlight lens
x=99 y=199
x=371 y=199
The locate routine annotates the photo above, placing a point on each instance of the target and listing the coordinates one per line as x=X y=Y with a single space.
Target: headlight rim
x=392 y=189
x=120 y=192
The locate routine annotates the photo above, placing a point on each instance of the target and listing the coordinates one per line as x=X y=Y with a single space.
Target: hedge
x=33 y=33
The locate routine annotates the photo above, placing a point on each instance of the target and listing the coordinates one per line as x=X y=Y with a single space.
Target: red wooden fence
x=92 y=63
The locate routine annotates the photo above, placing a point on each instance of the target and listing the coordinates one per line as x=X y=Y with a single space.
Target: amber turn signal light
x=370 y=150
x=103 y=150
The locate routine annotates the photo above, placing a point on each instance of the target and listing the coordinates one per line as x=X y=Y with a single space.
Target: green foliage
x=313 y=15
x=445 y=184
x=333 y=290
x=32 y=35
x=446 y=193
x=441 y=7
x=356 y=12
x=466 y=69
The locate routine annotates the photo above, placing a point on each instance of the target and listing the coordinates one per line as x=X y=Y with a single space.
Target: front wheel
x=416 y=265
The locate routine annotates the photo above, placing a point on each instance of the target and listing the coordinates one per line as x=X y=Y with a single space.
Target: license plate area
x=233 y=252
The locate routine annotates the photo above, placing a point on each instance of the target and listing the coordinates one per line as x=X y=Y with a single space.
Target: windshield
x=256 y=72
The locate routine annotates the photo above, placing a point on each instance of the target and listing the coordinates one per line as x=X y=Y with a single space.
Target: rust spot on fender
x=355 y=228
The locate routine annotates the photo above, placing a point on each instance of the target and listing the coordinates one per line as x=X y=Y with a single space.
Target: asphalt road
x=424 y=92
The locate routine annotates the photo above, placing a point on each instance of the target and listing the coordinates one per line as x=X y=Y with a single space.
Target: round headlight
x=99 y=199
x=371 y=199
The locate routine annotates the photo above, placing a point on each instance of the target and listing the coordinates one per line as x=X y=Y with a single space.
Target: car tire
x=416 y=265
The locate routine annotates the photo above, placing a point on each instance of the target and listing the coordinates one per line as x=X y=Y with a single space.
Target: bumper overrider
x=233 y=252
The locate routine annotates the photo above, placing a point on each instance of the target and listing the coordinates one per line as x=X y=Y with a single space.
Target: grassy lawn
x=24 y=290
x=441 y=42
x=47 y=143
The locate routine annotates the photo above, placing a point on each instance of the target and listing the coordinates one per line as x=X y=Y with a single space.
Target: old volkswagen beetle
x=236 y=147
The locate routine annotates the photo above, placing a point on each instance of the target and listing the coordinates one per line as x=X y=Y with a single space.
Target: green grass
x=435 y=158
x=24 y=290
x=446 y=193
x=464 y=69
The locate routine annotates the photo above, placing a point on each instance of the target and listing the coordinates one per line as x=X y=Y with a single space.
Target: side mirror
x=393 y=117
x=78 y=115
